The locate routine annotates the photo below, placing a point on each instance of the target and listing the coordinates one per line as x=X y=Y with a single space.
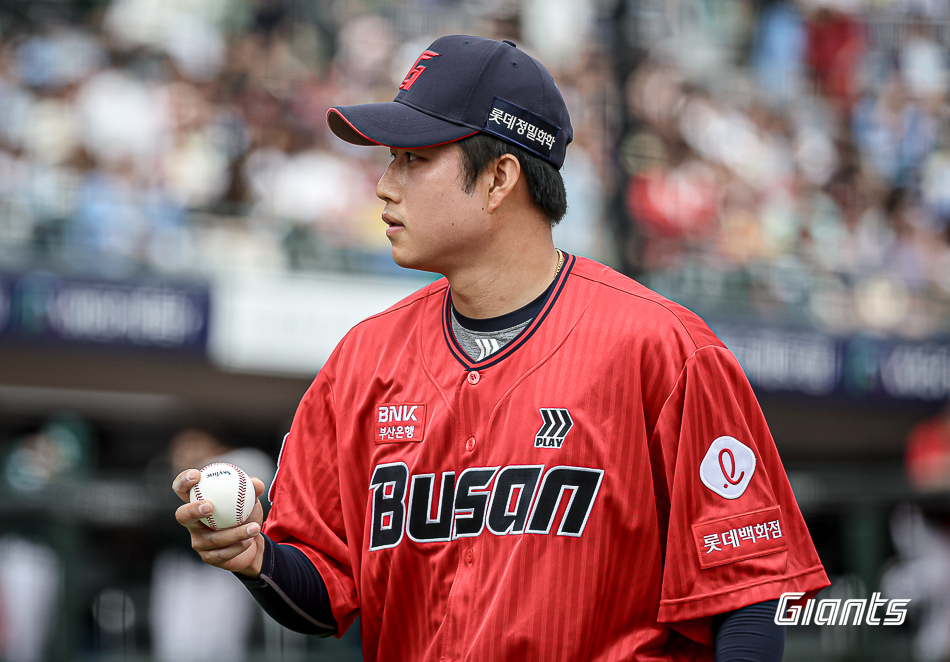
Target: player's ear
x=505 y=174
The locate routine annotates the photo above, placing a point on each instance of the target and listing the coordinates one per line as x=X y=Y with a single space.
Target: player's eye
x=410 y=157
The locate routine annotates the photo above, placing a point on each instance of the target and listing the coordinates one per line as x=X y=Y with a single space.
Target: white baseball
x=229 y=490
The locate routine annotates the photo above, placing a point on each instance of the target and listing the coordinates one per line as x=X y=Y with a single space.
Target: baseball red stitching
x=242 y=488
x=209 y=518
x=242 y=493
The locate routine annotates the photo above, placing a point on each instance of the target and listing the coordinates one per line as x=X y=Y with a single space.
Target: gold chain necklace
x=560 y=263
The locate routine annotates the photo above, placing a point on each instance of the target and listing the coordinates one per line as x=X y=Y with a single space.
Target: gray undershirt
x=480 y=345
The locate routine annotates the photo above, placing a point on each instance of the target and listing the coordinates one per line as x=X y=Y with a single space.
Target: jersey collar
x=456 y=347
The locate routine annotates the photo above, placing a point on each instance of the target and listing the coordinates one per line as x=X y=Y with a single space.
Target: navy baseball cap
x=459 y=86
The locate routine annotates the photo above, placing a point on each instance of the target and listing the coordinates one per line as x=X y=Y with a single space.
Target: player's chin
x=406 y=257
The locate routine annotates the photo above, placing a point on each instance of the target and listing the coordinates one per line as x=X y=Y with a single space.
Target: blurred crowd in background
x=786 y=157
x=786 y=161
x=190 y=135
x=794 y=157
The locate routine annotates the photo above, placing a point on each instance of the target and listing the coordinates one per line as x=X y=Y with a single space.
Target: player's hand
x=238 y=549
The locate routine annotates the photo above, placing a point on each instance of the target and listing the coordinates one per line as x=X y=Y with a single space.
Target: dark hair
x=545 y=185
x=897 y=198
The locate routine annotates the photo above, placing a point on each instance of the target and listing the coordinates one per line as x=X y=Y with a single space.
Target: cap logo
x=522 y=127
x=416 y=70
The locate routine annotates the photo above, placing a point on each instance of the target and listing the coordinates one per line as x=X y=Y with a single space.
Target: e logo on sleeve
x=727 y=467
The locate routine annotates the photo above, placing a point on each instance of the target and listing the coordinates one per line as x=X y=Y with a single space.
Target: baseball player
x=533 y=458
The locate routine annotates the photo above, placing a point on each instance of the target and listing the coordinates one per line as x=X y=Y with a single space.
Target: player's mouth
x=395 y=225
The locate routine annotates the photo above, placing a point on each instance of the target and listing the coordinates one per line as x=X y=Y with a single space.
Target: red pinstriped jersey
x=596 y=490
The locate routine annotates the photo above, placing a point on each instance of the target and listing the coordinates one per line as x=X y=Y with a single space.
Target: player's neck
x=505 y=281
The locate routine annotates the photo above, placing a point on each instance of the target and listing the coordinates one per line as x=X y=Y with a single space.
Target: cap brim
x=392 y=124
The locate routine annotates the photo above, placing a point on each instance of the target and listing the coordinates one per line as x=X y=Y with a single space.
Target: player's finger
x=184 y=481
x=259 y=486
x=257 y=514
x=190 y=514
x=209 y=539
x=222 y=555
x=243 y=559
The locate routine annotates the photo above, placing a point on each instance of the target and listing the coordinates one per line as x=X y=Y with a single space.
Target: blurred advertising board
x=288 y=324
x=49 y=308
x=281 y=323
x=818 y=364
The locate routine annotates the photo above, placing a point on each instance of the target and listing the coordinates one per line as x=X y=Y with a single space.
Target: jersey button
x=469 y=556
x=470 y=444
x=473 y=377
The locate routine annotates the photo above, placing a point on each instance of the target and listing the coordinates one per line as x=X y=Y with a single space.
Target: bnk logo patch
x=727 y=467
x=400 y=422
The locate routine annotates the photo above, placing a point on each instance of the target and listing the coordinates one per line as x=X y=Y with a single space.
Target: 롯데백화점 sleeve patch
x=739 y=537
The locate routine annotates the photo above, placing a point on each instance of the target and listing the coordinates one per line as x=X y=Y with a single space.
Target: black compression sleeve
x=292 y=591
x=749 y=634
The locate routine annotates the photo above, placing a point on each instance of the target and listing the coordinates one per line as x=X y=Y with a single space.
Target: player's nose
x=386 y=188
